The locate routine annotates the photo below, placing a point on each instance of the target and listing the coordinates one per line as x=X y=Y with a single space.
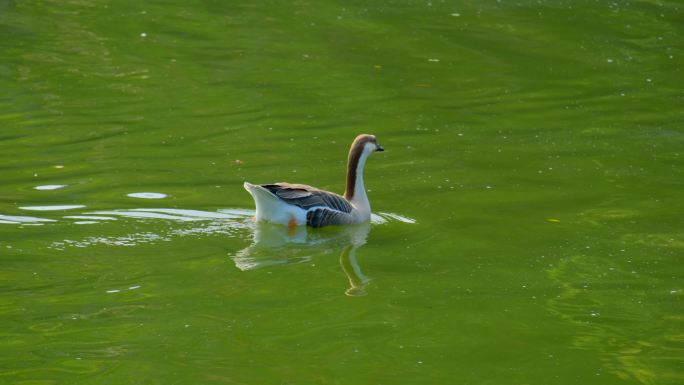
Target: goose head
x=365 y=144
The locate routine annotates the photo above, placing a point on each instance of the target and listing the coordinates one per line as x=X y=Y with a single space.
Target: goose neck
x=356 y=191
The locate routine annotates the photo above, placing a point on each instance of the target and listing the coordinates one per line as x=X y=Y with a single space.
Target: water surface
x=528 y=210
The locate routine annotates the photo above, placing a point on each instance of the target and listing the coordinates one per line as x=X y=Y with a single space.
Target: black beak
x=379 y=148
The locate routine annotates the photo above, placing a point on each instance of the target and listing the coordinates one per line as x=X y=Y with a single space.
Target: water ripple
x=147 y=195
x=16 y=219
x=51 y=208
x=50 y=187
x=232 y=222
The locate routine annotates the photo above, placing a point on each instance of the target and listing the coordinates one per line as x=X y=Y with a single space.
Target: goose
x=298 y=204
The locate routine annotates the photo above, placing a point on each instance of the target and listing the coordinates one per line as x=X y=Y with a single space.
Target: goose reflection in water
x=275 y=245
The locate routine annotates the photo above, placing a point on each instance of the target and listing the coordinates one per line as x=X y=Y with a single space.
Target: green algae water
x=528 y=221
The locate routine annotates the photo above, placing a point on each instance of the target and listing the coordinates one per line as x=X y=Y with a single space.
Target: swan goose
x=298 y=204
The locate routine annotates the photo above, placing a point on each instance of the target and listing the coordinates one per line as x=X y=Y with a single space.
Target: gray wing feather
x=324 y=217
x=292 y=194
x=308 y=197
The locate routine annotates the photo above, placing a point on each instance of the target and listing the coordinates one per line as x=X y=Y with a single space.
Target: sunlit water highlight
x=147 y=195
x=51 y=208
x=50 y=187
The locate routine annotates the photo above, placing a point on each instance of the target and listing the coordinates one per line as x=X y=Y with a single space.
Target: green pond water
x=528 y=219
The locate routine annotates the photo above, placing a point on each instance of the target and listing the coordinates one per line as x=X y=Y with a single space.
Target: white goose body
x=298 y=204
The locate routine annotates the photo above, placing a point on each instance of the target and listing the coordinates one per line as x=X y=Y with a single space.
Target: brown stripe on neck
x=353 y=162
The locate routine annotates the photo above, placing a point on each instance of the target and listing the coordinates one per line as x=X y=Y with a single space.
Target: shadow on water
x=274 y=245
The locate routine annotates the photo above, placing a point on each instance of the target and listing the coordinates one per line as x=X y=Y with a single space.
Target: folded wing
x=308 y=197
